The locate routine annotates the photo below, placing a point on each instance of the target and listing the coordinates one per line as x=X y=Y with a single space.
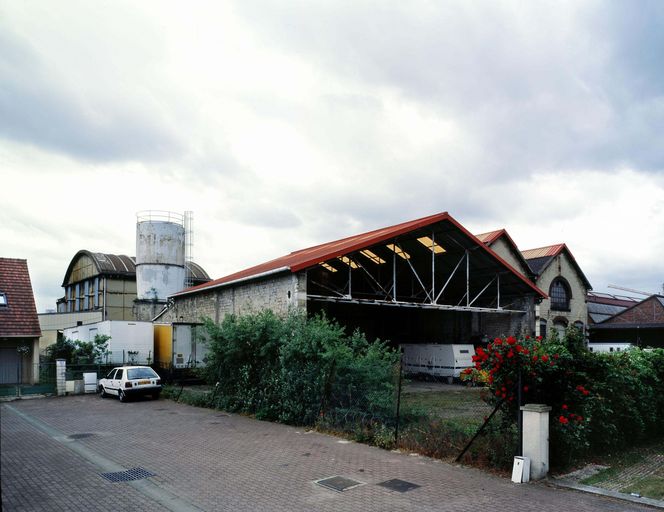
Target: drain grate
x=339 y=483
x=128 y=475
x=82 y=435
x=398 y=485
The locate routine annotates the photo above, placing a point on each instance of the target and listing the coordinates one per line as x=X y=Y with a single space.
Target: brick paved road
x=208 y=460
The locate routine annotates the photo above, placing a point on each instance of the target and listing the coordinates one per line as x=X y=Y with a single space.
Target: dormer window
x=3 y=300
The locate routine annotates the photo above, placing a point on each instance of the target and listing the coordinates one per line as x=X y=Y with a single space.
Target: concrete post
x=536 y=438
x=60 y=369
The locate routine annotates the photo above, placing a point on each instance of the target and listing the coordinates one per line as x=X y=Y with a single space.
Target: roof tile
x=19 y=316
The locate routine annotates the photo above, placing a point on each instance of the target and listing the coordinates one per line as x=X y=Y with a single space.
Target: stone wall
x=278 y=292
x=508 y=324
x=562 y=266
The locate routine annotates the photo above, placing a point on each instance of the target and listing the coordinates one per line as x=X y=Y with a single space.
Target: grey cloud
x=265 y=214
x=539 y=86
x=36 y=108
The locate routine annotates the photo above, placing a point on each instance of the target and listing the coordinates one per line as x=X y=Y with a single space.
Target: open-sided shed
x=425 y=280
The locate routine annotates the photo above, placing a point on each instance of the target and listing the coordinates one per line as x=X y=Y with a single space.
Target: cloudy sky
x=284 y=124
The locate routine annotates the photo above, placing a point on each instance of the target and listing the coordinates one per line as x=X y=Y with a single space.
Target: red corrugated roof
x=491 y=236
x=305 y=258
x=19 y=316
x=541 y=252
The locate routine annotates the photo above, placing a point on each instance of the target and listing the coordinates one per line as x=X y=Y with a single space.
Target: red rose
x=545 y=358
x=564 y=407
x=511 y=340
x=563 y=420
x=525 y=388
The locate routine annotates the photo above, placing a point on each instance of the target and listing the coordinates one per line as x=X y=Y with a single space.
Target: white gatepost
x=60 y=377
x=536 y=438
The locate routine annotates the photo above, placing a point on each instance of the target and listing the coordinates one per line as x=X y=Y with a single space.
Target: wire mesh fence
x=440 y=416
x=431 y=415
x=20 y=379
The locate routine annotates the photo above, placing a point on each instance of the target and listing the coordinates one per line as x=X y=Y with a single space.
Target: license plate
x=144 y=382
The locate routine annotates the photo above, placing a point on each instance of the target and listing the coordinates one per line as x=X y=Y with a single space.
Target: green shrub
x=299 y=370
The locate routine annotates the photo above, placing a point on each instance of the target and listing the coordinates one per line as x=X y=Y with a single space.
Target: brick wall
x=650 y=311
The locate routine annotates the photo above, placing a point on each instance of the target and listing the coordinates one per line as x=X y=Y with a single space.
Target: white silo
x=160 y=248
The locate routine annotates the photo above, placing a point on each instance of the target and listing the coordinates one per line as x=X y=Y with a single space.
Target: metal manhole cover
x=82 y=435
x=339 y=483
x=128 y=475
x=399 y=485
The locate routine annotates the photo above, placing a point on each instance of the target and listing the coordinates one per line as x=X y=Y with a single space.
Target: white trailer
x=130 y=342
x=438 y=360
x=609 y=346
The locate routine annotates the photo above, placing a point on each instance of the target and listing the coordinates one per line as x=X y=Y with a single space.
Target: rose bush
x=598 y=401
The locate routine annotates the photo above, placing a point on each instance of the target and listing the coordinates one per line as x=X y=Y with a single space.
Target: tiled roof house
x=19 y=325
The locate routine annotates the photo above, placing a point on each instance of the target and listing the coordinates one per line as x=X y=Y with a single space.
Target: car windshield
x=141 y=373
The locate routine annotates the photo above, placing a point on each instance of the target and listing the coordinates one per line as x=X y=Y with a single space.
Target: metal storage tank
x=160 y=247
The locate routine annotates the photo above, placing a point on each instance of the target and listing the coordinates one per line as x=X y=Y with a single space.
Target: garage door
x=10 y=365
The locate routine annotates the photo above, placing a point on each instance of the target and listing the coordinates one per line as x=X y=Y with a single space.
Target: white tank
x=160 y=242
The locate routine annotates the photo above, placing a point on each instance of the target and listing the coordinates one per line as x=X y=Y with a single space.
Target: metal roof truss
x=403 y=274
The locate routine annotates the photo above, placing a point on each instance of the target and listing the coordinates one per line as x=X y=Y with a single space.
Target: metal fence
x=446 y=419
x=19 y=379
x=421 y=413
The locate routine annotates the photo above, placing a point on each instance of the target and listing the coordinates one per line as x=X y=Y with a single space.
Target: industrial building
x=425 y=280
x=641 y=325
x=100 y=286
x=554 y=270
x=558 y=273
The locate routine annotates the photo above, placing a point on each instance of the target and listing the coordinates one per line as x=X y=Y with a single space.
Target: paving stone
x=215 y=461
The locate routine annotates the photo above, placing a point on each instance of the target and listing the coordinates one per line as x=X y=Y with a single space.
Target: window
x=542 y=332
x=3 y=299
x=560 y=294
x=579 y=325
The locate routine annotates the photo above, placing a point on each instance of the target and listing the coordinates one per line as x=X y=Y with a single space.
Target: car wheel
x=102 y=392
x=122 y=396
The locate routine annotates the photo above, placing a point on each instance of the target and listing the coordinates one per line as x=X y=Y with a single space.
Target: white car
x=128 y=381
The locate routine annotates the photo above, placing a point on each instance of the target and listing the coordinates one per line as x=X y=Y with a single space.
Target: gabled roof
x=305 y=258
x=641 y=314
x=121 y=265
x=18 y=318
x=539 y=259
x=492 y=237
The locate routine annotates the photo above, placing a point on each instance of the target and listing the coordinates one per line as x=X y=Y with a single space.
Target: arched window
x=560 y=294
x=542 y=329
